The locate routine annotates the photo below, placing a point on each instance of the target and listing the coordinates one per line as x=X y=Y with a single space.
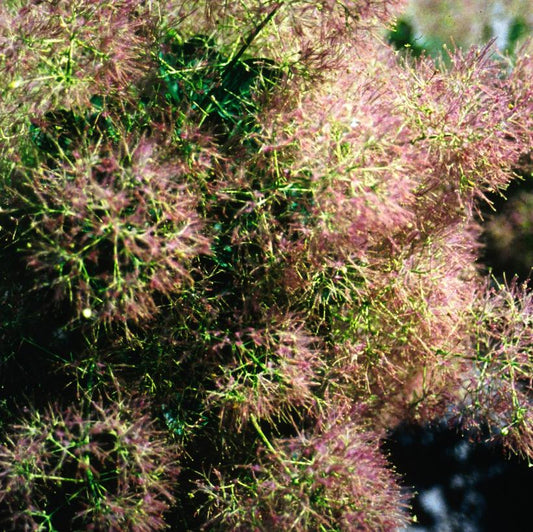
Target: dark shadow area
x=462 y=483
x=507 y=239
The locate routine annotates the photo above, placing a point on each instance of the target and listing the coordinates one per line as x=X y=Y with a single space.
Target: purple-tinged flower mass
x=62 y=53
x=335 y=479
x=283 y=216
x=109 y=234
x=105 y=467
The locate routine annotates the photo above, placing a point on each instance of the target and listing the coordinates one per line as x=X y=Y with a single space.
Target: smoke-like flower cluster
x=105 y=467
x=334 y=479
x=110 y=234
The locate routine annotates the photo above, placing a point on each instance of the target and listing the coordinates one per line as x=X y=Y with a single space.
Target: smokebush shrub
x=263 y=221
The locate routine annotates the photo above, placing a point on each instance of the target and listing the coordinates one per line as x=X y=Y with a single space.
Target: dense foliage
x=239 y=244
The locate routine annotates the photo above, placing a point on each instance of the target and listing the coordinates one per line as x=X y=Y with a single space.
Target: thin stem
x=270 y=447
x=251 y=38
